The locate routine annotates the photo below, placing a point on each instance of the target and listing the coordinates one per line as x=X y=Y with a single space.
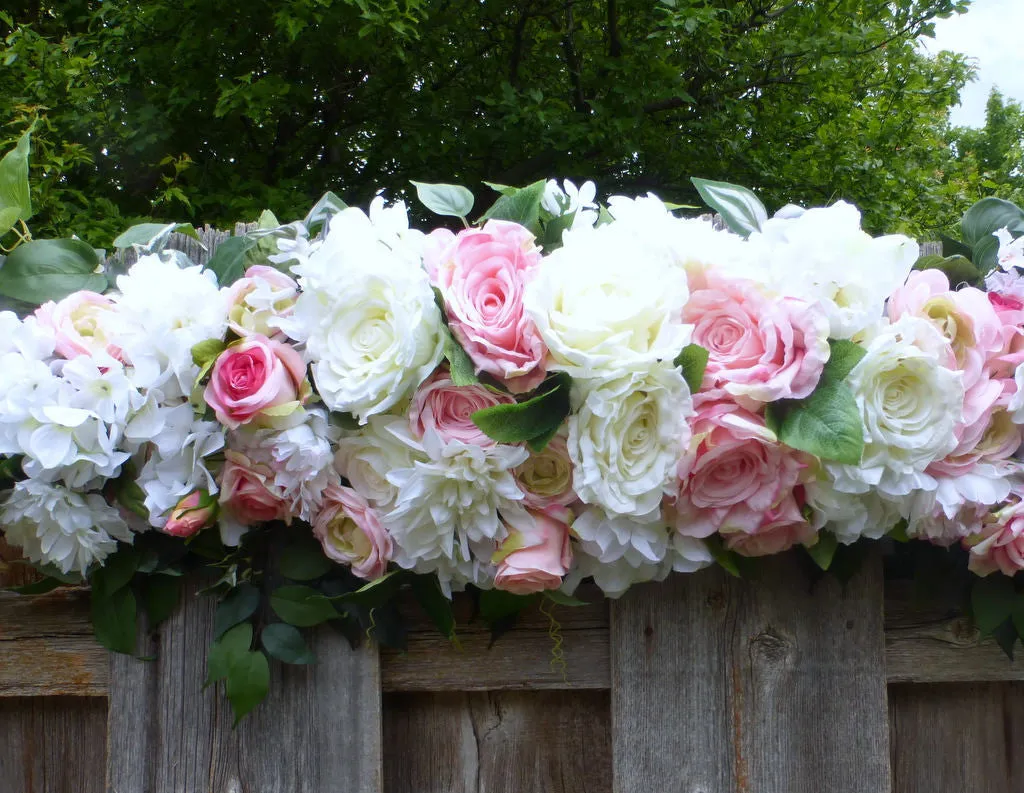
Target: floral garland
x=561 y=391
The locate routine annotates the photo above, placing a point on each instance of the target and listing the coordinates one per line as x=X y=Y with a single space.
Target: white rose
x=607 y=302
x=850 y=516
x=365 y=458
x=367 y=314
x=626 y=438
x=909 y=402
x=823 y=255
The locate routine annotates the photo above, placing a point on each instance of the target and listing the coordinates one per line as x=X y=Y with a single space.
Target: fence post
x=767 y=686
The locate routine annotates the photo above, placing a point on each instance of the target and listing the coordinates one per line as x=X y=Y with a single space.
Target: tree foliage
x=213 y=110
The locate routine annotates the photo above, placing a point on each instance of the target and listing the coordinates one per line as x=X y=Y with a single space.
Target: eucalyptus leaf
x=160 y=596
x=427 y=591
x=304 y=561
x=993 y=601
x=741 y=210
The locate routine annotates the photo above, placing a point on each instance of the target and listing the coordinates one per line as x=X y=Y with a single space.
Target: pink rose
x=779 y=529
x=193 y=513
x=351 y=533
x=446 y=408
x=257 y=379
x=1000 y=545
x=758 y=348
x=248 y=491
x=76 y=322
x=734 y=473
x=263 y=295
x=481 y=273
x=546 y=476
x=535 y=555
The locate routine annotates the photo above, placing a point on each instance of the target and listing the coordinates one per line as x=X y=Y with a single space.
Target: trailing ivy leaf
x=427 y=591
x=304 y=560
x=225 y=650
x=160 y=596
x=562 y=599
x=460 y=366
x=693 y=360
x=522 y=207
x=239 y=604
x=15 y=196
x=533 y=418
x=1006 y=637
x=823 y=551
x=285 y=643
x=993 y=601
x=445 y=199
x=116 y=573
x=228 y=260
x=986 y=217
x=44 y=270
x=324 y=209
x=150 y=235
x=113 y=620
x=247 y=683
x=741 y=210
x=302 y=606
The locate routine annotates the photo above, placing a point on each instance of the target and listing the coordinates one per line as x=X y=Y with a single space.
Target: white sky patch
x=990 y=33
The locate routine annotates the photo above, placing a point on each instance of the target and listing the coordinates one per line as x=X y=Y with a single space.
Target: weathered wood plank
x=52 y=745
x=720 y=684
x=508 y=742
x=167 y=734
x=957 y=738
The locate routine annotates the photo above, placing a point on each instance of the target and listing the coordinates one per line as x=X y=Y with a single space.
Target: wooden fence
x=700 y=684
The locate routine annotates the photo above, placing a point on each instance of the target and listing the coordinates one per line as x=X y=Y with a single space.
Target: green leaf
x=986 y=217
x=304 y=561
x=14 y=188
x=225 y=650
x=993 y=601
x=460 y=365
x=445 y=199
x=827 y=424
x=958 y=269
x=44 y=270
x=741 y=210
x=504 y=189
x=952 y=247
x=533 y=418
x=147 y=235
x=228 y=260
x=377 y=592
x=113 y=620
x=824 y=549
x=562 y=599
x=285 y=643
x=522 y=206
x=694 y=360
x=40 y=587
x=843 y=356
x=726 y=559
x=116 y=573
x=496 y=604
x=302 y=606
x=1006 y=637
x=247 y=684
x=427 y=591
x=238 y=605
x=8 y=217
x=160 y=596
x=540 y=443
x=207 y=351
x=324 y=209
x=130 y=495
x=267 y=220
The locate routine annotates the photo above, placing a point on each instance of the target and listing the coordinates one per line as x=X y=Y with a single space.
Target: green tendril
x=558 y=664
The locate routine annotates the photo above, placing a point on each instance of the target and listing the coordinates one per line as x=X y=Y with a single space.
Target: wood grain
x=957 y=738
x=507 y=742
x=319 y=729
x=52 y=745
x=768 y=685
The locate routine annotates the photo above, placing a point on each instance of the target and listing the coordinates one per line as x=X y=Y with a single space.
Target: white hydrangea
x=55 y=525
x=367 y=314
x=626 y=437
x=822 y=255
x=850 y=516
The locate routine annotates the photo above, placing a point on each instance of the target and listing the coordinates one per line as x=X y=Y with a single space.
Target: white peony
x=626 y=438
x=54 y=525
x=608 y=302
x=609 y=538
x=910 y=400
x=365 y=458
x=823 y=255
x=367 y=314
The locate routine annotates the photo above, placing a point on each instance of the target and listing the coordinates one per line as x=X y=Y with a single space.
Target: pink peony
x=263 y=295
x=734 y=473
x=257 y=379
x=1000 y=544
x=758 y=348
x=351 y=533
x=446 y=408
x=193 y=513
x=779 y=529
x=76 y=322
x=481 y=273
x=535 y=555
x=248 y=492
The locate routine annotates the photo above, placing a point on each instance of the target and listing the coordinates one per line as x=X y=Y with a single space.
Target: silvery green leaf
x=741 y=210
x=445 y=199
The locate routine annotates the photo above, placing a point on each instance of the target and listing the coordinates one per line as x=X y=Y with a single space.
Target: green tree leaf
x=14 y=187
x=302 y=606
x=445 y=199
x=44 y=270
x=693 y=360
x=247 y=683
x=523 y=421
x=285 y=643
x=741 y=210
x=238 y=605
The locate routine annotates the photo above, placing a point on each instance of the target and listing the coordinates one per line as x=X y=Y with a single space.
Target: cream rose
x=351 y=533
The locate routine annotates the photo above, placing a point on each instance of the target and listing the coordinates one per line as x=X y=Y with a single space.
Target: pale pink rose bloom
x=1000 y=544
x=779 y=529
x=734 y=472
x=481 y=274
x=257 y=378
x=263 y=295
x=546 y=476
x=441 y=405
x=194 y=512
x=535 y=555
x=988 y=441
x=248 y=492
x=351 y=533
x=759 y=348
x=76 y=322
